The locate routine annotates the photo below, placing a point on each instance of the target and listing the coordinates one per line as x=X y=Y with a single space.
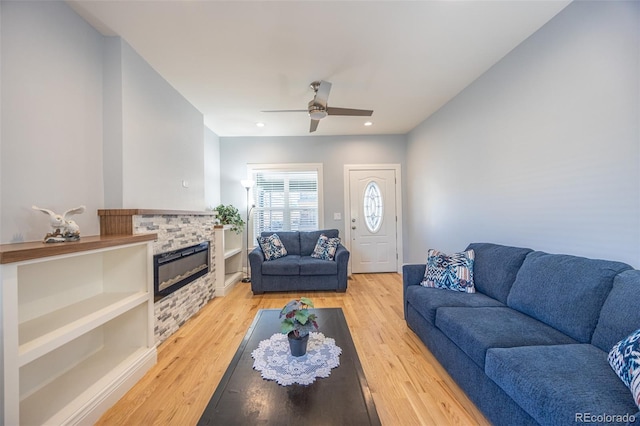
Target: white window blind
x=286 y=199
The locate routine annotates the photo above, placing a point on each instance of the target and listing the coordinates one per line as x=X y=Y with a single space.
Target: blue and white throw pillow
x=272 y=247
x=624 y=358
x=452 y=272
x=326 y=248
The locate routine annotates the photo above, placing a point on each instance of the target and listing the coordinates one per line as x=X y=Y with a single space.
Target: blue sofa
x=530 y=346
x=298 y=271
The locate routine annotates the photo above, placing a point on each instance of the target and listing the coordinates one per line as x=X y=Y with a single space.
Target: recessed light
x=368 y=123
x=259 y=124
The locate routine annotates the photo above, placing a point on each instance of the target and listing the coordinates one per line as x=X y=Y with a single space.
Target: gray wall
x=51 y=116
x=542 y=150
x=332 y=151
x=87 y=121
x=163 y=141
x=112 y=116
x=154 y=138
x=1 y=406
x=211 y=169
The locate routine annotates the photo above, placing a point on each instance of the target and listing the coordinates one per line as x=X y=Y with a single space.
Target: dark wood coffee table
x=243 y=397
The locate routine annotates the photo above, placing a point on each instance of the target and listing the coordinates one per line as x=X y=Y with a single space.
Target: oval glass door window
x=373 y=207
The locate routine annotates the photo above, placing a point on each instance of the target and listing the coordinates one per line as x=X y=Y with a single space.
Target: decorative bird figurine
x=72 y=231
x=62 y=229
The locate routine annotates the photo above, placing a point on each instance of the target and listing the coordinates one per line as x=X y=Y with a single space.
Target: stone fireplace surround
x=175 y=229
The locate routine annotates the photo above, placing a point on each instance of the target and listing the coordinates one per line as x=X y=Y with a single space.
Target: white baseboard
x=110 y=392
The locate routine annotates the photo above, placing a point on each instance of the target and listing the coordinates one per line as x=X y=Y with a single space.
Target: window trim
x=288 y=167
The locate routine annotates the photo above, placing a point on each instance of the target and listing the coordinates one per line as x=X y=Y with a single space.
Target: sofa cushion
x=272 y=247
x=451 y=272
x=549 y=284
x=554 y=384
x=308 y=239
x=288 y=265
x=475 y=330
x=620 y=314
x=427 y=300
x=624 y=358
x=313 y=266
x=325 y=248
x=495 y=268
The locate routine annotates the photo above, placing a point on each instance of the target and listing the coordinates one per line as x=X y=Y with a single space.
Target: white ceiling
x=403 y=59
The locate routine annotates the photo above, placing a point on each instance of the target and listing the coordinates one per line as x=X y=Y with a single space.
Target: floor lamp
x=248 y=184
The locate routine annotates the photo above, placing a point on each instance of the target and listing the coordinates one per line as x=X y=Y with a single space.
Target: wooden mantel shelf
x=10 y=253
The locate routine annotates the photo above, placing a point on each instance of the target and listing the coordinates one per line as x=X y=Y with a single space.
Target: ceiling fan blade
x=322 y=94
x=314 y=125
x=349 y=111
x=286 y=110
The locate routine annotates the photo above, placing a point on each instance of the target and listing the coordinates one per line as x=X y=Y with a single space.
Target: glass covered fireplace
x=175 y=269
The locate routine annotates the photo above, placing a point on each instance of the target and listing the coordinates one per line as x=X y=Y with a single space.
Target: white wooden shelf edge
x=232 y=252
x=43 y=334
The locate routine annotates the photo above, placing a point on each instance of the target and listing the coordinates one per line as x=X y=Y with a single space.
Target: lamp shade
x=247 y=183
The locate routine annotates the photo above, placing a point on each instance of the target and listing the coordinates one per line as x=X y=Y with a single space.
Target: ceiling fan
x=318 y=108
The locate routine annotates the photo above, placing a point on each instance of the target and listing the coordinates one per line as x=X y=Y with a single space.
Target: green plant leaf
x=306 y=301
x=302 y=316
x=287 y=326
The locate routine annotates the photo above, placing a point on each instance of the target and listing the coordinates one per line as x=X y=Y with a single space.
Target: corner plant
x=297 y=319
x=229 y=215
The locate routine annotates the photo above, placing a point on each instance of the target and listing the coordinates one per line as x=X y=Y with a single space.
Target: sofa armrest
x=412 y=274
x=342 y=259
x=256 y=258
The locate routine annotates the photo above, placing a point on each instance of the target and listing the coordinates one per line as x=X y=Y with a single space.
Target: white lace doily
x=273 y=358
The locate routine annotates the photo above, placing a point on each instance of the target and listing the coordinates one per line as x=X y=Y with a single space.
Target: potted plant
x=297 y=324
x=229 y=215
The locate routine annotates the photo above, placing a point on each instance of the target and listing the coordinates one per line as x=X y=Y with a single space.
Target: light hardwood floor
x=409 y=387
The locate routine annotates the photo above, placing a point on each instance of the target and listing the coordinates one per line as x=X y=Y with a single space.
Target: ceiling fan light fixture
x=317 y=115
x=316 y=112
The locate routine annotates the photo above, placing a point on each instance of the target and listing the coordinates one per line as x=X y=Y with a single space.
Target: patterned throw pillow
x=624 y=358
x=326 y=248
x=454 y=272
x=272 y=247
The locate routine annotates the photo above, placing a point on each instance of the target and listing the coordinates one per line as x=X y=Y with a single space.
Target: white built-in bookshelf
x=77 y=324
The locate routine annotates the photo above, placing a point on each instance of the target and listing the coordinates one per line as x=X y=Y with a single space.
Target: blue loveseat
x=530 y=346
x=298 y=271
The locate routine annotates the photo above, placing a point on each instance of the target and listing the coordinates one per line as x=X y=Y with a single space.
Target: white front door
x=372 y=220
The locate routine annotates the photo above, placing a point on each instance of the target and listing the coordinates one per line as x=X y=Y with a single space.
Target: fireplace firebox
x=175 y=269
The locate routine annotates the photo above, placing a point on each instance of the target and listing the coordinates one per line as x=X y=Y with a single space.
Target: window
x=286 y=197
x=372 y=207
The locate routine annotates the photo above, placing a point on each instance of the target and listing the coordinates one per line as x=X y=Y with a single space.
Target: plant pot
x=298 y=345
